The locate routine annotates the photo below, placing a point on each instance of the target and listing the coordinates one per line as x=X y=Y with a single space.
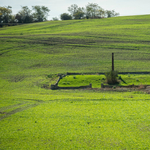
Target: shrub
x=65 y=16
x=111 y=77
x=55 y=19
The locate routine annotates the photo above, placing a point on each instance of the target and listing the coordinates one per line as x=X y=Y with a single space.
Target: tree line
x=25 y=15
x=40 y=13
x=91 y=11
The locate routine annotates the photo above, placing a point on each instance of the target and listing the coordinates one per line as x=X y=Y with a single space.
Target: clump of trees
x=40 y=13
x=91 y=11
x=25 y=15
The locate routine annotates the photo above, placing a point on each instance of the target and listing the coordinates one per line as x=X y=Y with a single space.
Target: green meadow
x=34 y=117
x=97 y=80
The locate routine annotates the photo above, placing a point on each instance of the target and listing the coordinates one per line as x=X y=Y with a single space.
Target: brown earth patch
x=142 y=88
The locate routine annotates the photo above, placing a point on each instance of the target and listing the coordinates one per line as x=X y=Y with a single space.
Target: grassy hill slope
x=30 y=52
x=32 y=117
x=39 y=49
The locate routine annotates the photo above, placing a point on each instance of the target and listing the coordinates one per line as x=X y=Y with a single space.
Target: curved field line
x=11 y=106
x=18 y=110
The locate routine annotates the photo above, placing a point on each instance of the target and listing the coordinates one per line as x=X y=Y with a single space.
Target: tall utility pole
x=112 y=61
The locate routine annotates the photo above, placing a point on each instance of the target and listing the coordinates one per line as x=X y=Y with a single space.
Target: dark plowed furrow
x=12 y=106
x=18 y=110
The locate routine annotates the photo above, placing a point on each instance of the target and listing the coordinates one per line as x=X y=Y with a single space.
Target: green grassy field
x=75 y=120
x=97 y=80
x=32 y=117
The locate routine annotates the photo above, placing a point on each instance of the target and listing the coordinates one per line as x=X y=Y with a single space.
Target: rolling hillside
x=32 y=117
x=33 y=51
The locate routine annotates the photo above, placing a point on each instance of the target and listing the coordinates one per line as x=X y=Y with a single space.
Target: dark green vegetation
x=91 y=11
x=40 y=14
x=32 y=117
x=25 y=15
x=111 y=77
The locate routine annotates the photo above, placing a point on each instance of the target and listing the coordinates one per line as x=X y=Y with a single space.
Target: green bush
x=111 y=77
x=65 y=16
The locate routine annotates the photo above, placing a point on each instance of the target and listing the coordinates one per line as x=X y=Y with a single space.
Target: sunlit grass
x=75 y=119
x=34 y=117
x=97 y=80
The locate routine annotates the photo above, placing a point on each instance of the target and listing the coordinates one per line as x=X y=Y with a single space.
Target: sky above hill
x=57 y=7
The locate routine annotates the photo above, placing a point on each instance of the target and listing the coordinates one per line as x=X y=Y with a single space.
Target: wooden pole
x=112 y=61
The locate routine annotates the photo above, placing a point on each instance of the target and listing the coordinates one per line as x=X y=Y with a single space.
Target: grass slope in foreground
x=35 y=118
x=75 y=120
